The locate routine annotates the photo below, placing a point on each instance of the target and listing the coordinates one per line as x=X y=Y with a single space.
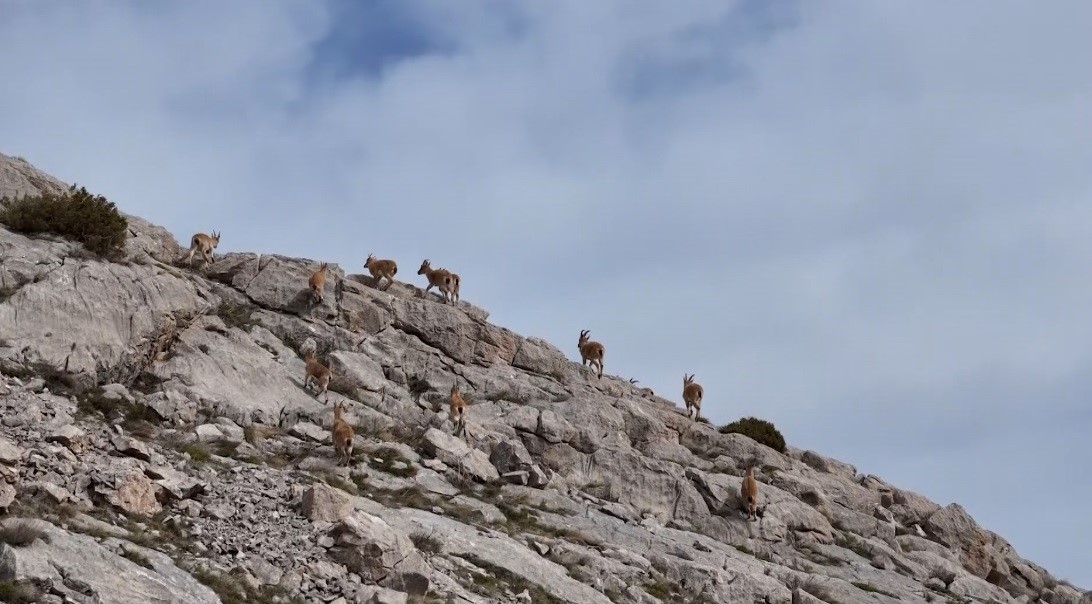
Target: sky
x=869 y=223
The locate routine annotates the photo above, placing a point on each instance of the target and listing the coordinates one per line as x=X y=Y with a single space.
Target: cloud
x=868 y=224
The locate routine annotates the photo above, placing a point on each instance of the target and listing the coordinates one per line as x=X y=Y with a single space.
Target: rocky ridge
x=157 y=445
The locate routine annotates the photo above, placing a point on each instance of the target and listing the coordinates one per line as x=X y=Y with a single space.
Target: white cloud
x=868 y=223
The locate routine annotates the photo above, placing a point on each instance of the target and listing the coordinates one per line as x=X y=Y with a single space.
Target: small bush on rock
x=21 y=533
x=391 y=461
x=759 y=430
x=426 y=543
x=236 y=315
x=76 y=215
x=19 y=592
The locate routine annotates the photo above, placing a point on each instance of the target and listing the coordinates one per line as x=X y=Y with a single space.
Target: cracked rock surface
x=157 y=445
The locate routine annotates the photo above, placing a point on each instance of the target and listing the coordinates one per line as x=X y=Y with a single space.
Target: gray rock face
x=9 y=453
x=564 y=486
x=500 y=551
x=131 y=492
x=456 y=453
x=379 y=553
x=18 y=178
x=72 y=562
x=323 y=503
x=132 y=447
x=7 y=496
x=78 y=306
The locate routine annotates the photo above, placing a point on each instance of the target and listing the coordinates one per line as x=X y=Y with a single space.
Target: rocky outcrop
x=80 y=568
x=155 y=414
x=18 y=178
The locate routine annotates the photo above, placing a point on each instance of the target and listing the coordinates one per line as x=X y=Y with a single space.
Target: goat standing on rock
x=457 y=410
x=748 y=492
x=440 y=278
x=590 y=351
x=381 y=269
x=317 y=282
x=319 y=373
x=203 y=243
x=342 y=434
x=692 y=394
x=454 y=287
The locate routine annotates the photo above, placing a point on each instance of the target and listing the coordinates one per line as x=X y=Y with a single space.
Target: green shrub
x=759 y=430
x=76 y=215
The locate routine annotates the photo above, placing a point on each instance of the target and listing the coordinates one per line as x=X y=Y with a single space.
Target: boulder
x=9 y=453
x=370 y=547
x=455 y=452
x=323 y=503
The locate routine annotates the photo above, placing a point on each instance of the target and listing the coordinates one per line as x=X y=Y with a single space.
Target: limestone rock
x=91 y=309
x=132 y=447
x=70 y=436
x=953 y=527
x=455 y=452
x=131 y=492
x=9 y=453
x=379 y=553
x=7 y=496
x=209 y=433
x=511 y=456
x=539 y=356
x=594 y=490
x=323 y=503
x=500 y=551
x=78 y=560
x=175 y=484
x=19 y=178
x=310 y=431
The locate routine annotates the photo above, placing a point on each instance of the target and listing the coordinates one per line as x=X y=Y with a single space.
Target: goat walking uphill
x=203 y=243
x=317 y=282
x=692 y=394
x=440 y=278
x=381 y=269
x=319 y=374
x=591 y=351
x=457 y=410
x=342 y=434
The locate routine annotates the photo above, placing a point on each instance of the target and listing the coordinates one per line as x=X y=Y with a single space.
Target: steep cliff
x=157 y=442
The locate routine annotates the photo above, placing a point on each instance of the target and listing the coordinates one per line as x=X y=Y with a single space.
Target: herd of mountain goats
x=447 y=283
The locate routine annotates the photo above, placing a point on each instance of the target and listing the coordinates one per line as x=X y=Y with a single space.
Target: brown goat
x=317 y=282
x=319 y=374
x=342 y=434
x=203 y=243
x=456 y=411
x=591 y=351
x=692 y=394
x=381 y=269
x=437 y=277
x=455 y=280
x=748 y=492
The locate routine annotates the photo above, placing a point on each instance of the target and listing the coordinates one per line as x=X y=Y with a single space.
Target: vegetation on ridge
x=76 y=215
x=759 y=430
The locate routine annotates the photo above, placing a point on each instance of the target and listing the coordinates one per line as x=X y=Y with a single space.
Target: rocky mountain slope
x=157 y=445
